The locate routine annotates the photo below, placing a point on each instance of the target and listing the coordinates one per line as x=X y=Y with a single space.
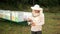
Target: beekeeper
x=36 y=20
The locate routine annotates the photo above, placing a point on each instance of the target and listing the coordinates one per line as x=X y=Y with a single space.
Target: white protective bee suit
x=39 y=21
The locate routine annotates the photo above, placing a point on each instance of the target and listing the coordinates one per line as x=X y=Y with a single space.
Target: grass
x=52 y=26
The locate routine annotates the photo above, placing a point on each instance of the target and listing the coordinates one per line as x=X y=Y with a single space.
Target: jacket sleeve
x=41 y=21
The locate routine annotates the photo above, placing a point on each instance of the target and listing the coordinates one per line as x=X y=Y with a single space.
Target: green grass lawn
x=52 y=26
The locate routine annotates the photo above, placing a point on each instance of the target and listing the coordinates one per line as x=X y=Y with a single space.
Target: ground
x=51 y=26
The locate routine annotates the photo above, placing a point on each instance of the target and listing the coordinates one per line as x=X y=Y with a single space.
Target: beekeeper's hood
x=37 y=7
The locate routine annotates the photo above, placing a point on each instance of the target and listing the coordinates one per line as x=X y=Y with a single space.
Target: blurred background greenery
x=51 y=11
x=24 y=5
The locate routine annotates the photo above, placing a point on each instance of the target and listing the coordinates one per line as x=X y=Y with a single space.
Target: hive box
x=17 y=16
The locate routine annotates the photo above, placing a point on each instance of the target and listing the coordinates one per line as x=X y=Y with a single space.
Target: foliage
x=25 y=4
